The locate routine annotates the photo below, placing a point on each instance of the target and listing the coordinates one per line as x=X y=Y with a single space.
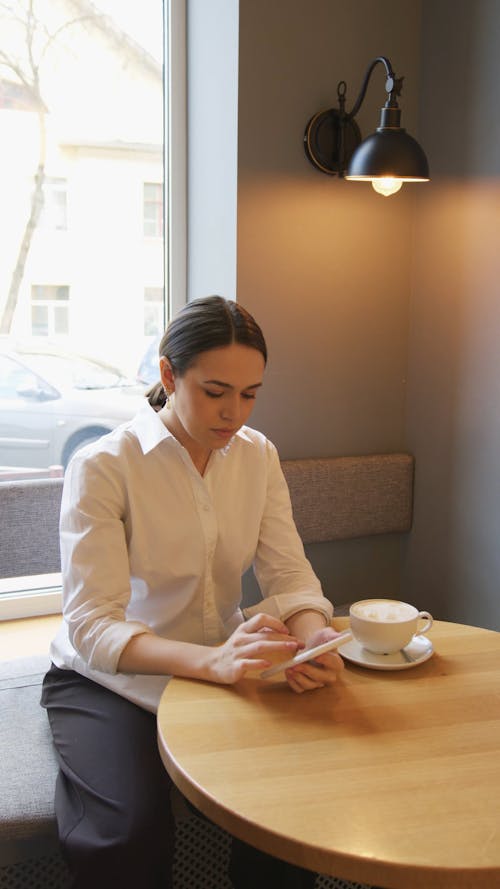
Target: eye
x=213 y=394
x=248 y=396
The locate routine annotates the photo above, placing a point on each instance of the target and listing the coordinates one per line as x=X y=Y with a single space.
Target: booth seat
x=333 y=499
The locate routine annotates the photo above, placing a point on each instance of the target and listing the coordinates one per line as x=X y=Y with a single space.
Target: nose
x=230 y=409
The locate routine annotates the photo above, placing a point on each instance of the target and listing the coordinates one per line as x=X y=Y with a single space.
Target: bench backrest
x=333 y=499
x=341 y=497
x=29 y=527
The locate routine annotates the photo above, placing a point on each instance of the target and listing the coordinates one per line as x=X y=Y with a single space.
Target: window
x=84 y=260
x=83 y=210
x=49 y=310
x=14 y=378
x=153 y=210
x=54 y=213
x=153 y=311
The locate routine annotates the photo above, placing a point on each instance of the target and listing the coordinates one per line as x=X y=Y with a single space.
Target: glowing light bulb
x=386 y=185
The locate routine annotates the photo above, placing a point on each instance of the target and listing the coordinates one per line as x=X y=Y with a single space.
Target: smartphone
x=308 y=654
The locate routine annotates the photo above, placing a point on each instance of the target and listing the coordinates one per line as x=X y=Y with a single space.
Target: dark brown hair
x=208 y=323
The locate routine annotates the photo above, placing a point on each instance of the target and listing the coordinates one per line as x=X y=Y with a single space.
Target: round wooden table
x=388 y=778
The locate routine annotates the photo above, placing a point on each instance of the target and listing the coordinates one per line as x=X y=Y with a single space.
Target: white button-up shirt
x=150 y=545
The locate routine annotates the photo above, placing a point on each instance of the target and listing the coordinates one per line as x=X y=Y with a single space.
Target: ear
x=167 y=375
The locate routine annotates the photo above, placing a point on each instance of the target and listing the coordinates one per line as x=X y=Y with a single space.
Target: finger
x=262 y=637
x=266 y=648
x=309 y=670
x=253 y=664
x=331 y=662
x=316 y=672
x=272 y=636
x=324 y=668
x=265 y=621
x=294 y=685
x=323 y=635
x=242 y=667
x=300 y=682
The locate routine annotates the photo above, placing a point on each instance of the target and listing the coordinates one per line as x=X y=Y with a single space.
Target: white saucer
x=420 y=649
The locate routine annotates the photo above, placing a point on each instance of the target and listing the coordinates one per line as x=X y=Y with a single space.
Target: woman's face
x=214 y=398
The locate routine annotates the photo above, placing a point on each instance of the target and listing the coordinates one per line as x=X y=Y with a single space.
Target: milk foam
x=383 y=611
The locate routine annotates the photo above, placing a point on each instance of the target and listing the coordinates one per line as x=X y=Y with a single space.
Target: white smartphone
x=308 y=654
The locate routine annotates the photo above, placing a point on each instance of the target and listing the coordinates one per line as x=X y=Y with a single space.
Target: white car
x=52 y=403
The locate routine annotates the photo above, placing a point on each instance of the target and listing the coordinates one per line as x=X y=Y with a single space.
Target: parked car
x=53 y=402
x=148 y=371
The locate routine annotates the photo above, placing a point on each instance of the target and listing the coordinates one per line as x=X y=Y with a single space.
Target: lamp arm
x=393 y=86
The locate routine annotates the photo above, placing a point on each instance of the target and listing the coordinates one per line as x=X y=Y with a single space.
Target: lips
x=224 y=433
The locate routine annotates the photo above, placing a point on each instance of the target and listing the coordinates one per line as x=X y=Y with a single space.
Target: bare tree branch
x=29 y=76
x=53 y=37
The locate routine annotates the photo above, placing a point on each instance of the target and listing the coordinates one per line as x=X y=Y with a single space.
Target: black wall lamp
x=387 y=158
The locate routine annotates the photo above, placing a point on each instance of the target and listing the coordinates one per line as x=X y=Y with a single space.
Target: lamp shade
x=389 y=152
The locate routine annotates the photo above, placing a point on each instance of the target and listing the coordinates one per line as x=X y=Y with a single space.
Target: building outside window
x=82 y=184
x=153 y=209
x=54 y=213
x=153 y=311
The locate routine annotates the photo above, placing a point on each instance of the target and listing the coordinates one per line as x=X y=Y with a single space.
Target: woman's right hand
x=249 y=648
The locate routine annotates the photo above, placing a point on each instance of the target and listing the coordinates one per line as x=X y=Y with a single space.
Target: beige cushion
x=340 y=497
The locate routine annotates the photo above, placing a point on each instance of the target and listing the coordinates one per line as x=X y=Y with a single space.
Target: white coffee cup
x=386 y=625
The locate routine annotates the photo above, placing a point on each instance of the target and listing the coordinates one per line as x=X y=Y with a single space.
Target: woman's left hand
x=323 y=670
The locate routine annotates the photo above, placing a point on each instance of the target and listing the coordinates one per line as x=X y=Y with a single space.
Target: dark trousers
x=113 y=795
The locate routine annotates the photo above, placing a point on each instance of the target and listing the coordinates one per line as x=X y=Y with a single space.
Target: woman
x=159 y=520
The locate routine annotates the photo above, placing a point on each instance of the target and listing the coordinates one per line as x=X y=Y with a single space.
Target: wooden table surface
x=388 y=778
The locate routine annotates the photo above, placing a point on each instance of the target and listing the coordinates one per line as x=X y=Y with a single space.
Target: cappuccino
x=383 y=610
x=386 y=625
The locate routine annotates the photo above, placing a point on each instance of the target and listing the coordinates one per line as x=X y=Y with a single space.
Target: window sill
x=30 y=596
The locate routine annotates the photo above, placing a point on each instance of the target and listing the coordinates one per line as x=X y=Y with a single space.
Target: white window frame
x=39 y=595
x=31 y=596
x=157 y=222
x=175 y=142
x=50 y=302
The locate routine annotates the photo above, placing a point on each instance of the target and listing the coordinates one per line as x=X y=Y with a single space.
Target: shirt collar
x=150 y=431
x=149 y=428
x=242 y=433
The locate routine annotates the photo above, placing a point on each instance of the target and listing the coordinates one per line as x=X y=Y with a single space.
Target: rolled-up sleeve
x=94 y=564
x=285 y=576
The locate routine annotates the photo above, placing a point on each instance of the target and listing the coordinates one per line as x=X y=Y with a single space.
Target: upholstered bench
x=29 y=854
x=333 y=499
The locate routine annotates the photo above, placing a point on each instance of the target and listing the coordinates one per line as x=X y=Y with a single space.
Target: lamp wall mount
x=333 y=142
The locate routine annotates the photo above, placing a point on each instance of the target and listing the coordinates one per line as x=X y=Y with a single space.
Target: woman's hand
x=250 y=647
x=323 y=670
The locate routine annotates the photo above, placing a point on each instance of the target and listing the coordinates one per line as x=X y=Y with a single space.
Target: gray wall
x=358 y=293
x=453 y=554
x=324 y=264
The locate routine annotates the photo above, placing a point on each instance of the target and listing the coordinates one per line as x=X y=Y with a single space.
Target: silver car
x=52 y=403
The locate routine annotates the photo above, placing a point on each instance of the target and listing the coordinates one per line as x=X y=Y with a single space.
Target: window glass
x=54 y=210
x=82 y=220
x=14 y=378
x=153 y=311
x=49 y=310
x=153 y=209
